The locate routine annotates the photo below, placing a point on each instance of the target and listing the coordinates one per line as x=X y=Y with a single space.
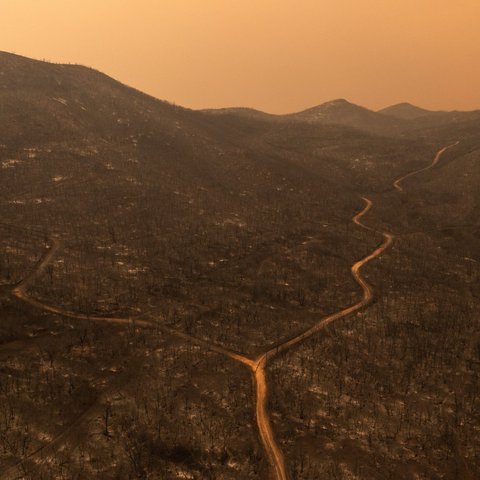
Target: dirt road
x=273 y=451
x=439 y=154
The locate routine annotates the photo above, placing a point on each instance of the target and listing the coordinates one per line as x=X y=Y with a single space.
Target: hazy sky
x=275 y=55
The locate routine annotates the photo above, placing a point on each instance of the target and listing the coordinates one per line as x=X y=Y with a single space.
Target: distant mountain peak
x=333 y=107
x=342 y=112
x=338 y=101
x=405 y=110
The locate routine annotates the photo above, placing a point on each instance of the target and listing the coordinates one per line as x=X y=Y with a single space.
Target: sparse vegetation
x=233 y=228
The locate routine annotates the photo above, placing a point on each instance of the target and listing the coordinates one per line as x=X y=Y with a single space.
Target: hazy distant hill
x=428 y=123
x=336 y=112
x=96 y=124
x=401 y=120
x=342 y=112
x=83 y=109
x=406 y=111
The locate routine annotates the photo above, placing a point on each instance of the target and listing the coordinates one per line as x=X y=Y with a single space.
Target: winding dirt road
x=439 y=154
x=256 y=366
x=271 y=447
x=20 y=292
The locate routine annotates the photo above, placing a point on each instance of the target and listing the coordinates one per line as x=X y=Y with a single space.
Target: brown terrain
x=231 y=294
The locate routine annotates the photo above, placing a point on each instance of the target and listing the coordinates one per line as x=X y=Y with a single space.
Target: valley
x=231 y=294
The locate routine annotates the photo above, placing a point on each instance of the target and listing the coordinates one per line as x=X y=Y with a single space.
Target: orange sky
x=275 y=55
